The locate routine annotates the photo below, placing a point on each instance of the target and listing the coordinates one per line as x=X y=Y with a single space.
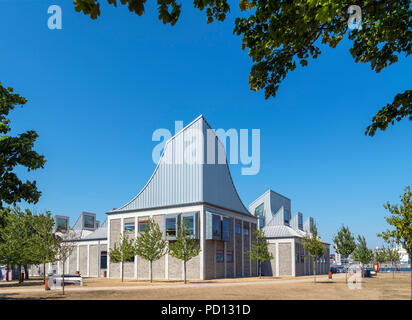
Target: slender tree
x=380 y=255
x=362 y=253
x=124 y=251
x=44 y=240
x=64 y=245
x=150 y=244
x=400 y=220
x=259 y=250
x=185 y=247
x=344 y=244
x=393 y=255
x=314 y=246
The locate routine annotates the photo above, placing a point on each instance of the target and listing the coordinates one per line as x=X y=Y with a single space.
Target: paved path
x=168 y=286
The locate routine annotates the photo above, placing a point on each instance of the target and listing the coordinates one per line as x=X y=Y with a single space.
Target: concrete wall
x=115 y=232
x=285 y=259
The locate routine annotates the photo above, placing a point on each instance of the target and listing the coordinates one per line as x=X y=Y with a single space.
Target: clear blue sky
x=98 y=89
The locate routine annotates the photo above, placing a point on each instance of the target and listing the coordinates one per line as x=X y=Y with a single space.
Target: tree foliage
x=362 y=253
x=14 y=152
x=314 y=246
x=279 y=35
x=400 y=220
x=344 y=244
x=185 y=247
x=123 y=251
x=150 y=244
x=259 y=250
x=380 y=255
x=169 y=10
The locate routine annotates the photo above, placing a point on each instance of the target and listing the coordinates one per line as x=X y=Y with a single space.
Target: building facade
x=191 y=184
x=284 y=234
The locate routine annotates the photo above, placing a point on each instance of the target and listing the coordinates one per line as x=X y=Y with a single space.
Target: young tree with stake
x=259 y=250
x=401 y=221
x=185 y=246
x=64 y=246
x=393 y=255
x=314 y=245
x=150 y=244
x=344 y=244
x=123 y=252
x=362 y=253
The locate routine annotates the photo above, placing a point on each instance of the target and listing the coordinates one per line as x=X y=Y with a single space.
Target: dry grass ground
x=380 y=287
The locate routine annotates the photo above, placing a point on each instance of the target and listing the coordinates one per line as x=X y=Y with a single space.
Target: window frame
x=127 y=230
x=217 y=217
x=238 y=224
x=220 y=253
x=194 y=215
x=171 y=216
x=84 y=221
x=227 y=221
x=229 y=254
x=142 y=221
x=103 y=254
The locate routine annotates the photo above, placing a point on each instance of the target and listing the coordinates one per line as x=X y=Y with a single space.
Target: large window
x=171 y=223
x=103 y=260
x=260 y=214
x=246 y=229
x=287 y=216
x=219 y=256
x=129 y=227
x=229 y=256
x=61 y=224
x=226 y=229
x=189 y=223
x=238 y=229
x=300 y=221
x=88 y=221
x=216 y=227
x=142 y=224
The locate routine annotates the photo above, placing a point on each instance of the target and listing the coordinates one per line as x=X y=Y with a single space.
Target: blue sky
x=98 y=89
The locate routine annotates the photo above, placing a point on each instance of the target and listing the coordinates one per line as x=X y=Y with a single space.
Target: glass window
x=259 y=211
x=237 y=228
x=287 y=216
x=129 y=227
x=216 y=227
x=88 y=221
x=61 y=224
x=245 y=229
x=142 y=225
x=226 y=229
x=189 y=223
x=219 y=256
x=171 y=227
x=300 y=221
x=103 y=260
x=229 y=256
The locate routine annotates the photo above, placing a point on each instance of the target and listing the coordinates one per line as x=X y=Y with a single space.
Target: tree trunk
x=393 y=271
x=26 y=272
x=184 y=267
x=151 y=272
x=63 y=278
x=7 y=273
x=44 y=272
x=122 y=270
x=19 y=270
x=314 y=270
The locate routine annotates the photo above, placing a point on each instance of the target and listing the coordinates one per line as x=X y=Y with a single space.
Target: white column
x=277 y=259
x=121 y=233
x=108 y=247
x=214 y=256
x=135 y=257
x=78 y=258
x=224 y=257
x=250 y=247
x=99 y=253
x=88 y=260
x=234 y=247
x=293 y=258
x=243 y=248
x=202 y=244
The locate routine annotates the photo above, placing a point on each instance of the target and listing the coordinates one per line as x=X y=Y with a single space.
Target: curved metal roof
x=184 y=176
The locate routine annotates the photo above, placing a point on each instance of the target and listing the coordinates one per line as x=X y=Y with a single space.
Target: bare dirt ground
x=302 y=288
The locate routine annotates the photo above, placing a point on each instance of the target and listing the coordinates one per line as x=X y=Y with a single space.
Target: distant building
x=284 y=234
